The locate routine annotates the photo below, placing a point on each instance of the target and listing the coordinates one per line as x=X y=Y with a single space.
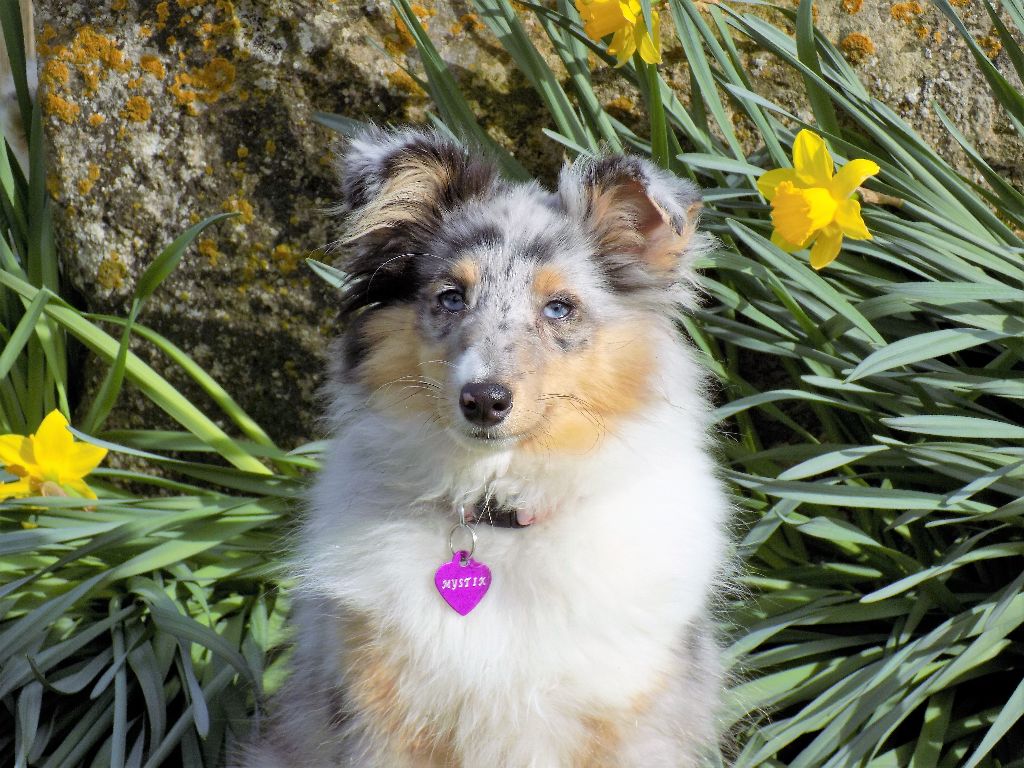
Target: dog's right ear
x=402 y=182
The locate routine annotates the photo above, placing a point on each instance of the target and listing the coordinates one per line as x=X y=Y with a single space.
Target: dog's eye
x=557 y=309
x=452 y=300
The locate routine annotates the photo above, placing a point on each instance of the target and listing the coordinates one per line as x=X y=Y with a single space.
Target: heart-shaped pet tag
x=463 y=582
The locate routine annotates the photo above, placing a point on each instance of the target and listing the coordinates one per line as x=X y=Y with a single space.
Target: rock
x=160 y=114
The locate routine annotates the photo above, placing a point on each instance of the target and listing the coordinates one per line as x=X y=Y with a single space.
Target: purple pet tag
x=463 y=582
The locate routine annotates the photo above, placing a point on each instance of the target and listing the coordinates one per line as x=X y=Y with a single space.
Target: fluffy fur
x=592 y=646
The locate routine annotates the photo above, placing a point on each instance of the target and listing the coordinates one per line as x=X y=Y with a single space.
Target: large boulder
x=160 y=114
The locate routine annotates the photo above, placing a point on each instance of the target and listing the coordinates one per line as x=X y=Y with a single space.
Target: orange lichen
x=208 y=248
x=990 y=44
x=91 y=78
x=135 y=82
x=55 y=73
x=53 y=185
x=85 y=185
x=621 y=103
x=145 y=31
x=241 y=206
x=162 y=12
x=852 y=6
x=89 y=46
x=923 y=33
x=112 y=272
x=46 y=34
x=137 y=109
x=96 y=119
x=242 y=151
x=118 y=5
x=60 y=107
x=937 y=37
x=857 y=46
x=153 y=65
x=906 y=12
x=467 y=22
x=286 y=258
x=402 y=81
x=206 y=84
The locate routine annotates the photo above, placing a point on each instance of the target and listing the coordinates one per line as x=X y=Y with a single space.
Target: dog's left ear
x=402 y=182
x=642 y=218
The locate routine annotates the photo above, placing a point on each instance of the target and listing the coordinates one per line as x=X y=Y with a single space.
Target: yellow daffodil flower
x=811 y=207
x=624 y=20
x=49 y=463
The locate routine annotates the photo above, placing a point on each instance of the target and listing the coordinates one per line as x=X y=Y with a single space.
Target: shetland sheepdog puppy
x=511 y=553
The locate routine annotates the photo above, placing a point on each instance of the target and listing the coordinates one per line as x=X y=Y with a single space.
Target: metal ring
x=472 y=533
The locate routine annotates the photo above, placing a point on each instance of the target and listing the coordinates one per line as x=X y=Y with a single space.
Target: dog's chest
x=569 y=632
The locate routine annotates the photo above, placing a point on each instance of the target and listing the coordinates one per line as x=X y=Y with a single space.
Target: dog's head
x=507 y=314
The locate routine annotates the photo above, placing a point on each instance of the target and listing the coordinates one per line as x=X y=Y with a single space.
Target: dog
x=511 y=401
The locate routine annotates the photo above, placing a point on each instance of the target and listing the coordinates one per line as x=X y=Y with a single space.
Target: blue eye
x=557 y=310
x=452 y=300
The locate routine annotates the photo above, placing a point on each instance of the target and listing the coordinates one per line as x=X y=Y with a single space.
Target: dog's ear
x=406 y=180
x=642 y=219
x=396 y=187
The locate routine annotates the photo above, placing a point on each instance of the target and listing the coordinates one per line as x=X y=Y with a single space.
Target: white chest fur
x=586 y=609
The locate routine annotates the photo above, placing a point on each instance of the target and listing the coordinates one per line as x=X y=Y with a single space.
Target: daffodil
x=49 y=463
x=624 y=20
x=811 y=207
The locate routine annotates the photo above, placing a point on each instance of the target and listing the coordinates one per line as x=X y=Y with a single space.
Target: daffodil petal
x=16 y=490
x=80 y=489
x=82 y=459
x=600 y=18
x=826 y=247
x=768 y=182
x=622 y=45
x=811 y=159
x=52 y=442
x=851 y=176
x=15 y=450
x=649 y=45
x=850 y=221
x=630 y=10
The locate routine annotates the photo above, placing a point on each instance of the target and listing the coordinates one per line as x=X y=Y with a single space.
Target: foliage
x=880 y=485
x=138 y=628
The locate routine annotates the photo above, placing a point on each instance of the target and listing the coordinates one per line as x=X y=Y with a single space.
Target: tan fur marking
x=466 y=272
x=609 y=379
x=392 y=371
x=373 y=670
x=548 y=281
x=628 y=221
x=406 y=196
x=603 y=735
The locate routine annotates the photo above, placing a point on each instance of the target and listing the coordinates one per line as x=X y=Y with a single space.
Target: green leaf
x=924 y=346
x=165 y=263
x=956 y=426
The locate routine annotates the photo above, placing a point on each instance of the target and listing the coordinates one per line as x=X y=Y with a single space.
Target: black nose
x=485 y=403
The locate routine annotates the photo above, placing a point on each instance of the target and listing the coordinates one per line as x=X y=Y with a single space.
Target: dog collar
x=486 y=512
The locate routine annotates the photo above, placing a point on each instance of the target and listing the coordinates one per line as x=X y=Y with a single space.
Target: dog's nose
x=485 y=403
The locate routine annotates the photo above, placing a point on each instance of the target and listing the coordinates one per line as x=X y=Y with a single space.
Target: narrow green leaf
x=924 y=346
x=164 y=264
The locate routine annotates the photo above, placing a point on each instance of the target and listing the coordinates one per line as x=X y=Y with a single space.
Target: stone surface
x=160 y=114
